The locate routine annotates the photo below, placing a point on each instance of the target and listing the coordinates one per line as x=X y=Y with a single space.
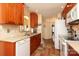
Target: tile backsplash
x=9 y=29
x=76 y=28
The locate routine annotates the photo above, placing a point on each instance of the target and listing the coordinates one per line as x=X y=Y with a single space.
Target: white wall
x=47 y=30
x=47 y=27
x=27 y=14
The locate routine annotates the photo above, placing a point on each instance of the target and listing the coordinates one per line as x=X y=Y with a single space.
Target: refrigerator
x=60 y=29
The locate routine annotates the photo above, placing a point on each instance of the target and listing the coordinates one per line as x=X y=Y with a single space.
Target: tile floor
x=47 y=49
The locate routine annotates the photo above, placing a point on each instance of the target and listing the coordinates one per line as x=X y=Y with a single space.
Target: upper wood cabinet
x=67 y=8
x=11 y=13
x=72 y=15
x=33 y=20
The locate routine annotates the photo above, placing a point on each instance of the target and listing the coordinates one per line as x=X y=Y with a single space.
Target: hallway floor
x=47 y=49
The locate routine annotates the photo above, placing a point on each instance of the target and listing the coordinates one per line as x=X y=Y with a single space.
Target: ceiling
x=47 y=9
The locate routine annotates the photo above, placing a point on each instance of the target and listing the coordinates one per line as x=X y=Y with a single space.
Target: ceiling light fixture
x=68 y=5
x=62 y=7
x=26 y=17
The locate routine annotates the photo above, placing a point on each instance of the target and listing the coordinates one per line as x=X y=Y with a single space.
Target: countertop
x=74 y=45
x=16 y=38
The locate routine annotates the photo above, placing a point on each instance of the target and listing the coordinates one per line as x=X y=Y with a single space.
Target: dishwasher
x=23 y=47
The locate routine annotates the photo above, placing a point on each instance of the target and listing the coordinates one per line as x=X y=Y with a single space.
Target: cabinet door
x=15 y=13
x=33 y=19
x=36 y=20
x=19 y=12
x=11 y=13
x=34 y=43
x=39 y=40
x=9 y=49
x=3 y=13
x=1 y=48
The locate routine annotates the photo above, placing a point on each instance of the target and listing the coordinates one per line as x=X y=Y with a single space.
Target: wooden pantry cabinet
x=11 y=13
x=33 y=19
x=34 y=43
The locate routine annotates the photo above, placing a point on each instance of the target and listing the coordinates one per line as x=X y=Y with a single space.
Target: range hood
x=76 y=22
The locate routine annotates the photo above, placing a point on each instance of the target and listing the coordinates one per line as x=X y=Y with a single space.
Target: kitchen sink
x=72 y=39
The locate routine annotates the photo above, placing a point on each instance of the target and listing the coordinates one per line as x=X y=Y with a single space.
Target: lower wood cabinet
x=72 y=52
x=34 y=43
x=25 y=47
x=7 y=48
x=19 y=48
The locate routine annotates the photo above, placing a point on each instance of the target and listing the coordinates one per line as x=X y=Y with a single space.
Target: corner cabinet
x=11 y=13
x=34 y=43
x=33 y=19
x=7 y=48
x=19 y=48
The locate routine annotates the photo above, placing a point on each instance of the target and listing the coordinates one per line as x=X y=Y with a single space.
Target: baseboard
x=47 y=38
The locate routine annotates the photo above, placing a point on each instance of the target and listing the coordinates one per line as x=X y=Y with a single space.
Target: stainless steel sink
x=72 y=39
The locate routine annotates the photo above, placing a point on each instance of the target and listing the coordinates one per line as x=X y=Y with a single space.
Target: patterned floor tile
x=46 y=50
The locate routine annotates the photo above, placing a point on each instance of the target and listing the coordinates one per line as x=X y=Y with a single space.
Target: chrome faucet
x=8 y=30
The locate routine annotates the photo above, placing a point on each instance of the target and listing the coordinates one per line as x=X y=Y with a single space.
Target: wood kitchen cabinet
x=33 y=20
x=7 y=49
x=72 y=15
x=72 y=52
x=19 y=48
x=34 y=43
x=11 y=13
x=67 y=8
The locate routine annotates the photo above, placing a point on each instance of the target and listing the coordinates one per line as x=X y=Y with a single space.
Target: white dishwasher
x=23 y=47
